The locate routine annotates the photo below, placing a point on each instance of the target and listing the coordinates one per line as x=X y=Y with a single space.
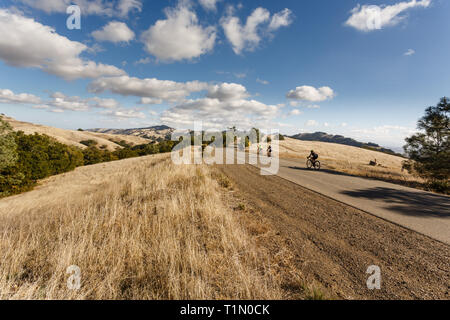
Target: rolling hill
x=156 y=133
x=73 y=137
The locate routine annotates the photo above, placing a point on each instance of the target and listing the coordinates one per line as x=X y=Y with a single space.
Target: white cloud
x=179 y=37
x=7 y=96
x=143 y=61
x=150 y=101
x=265 y=82
x=105 y=103
x=125 y=113
x=126 y=6
x=371 y=17
x=27 y=43
x=247 y=37
x=295 y=112
x=410 y=52
x=209 y=4
x=308 y=93
x=89 y=7
x=215 y=113
x=115 y=32
x=150 y=87
x=62 y=102
x=227 y=92
x=281 y=19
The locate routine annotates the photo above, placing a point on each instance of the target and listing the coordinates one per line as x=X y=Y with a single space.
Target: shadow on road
x=323 y=170
x=407 y=203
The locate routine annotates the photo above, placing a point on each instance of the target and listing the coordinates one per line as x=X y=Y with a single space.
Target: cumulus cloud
x=115 y=32
x=247 y=37
x=410 y=52
x=179 y=36
x=215 y=113
x=308 y=93
x=126 y=6
x=8 y=96
x=89 y=7
x=371 y=17
x=224 y=105
x=62 y=102
x=28 y=43
x=209 y=4
x=295 y=112
x=125 y=113
x=281 y=19
x=150 y=101
x=149 y=88
x=227 y=92
x=105 y=103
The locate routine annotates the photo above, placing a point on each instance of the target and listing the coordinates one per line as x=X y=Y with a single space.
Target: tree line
x=25 y=159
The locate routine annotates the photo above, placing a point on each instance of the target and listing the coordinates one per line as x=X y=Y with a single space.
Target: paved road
x=421 y=211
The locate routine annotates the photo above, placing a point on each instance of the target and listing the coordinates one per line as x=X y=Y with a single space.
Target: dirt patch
x=334 y=244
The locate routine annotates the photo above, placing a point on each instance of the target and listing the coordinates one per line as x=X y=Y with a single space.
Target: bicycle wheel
x=309 y=164
x=317 y=165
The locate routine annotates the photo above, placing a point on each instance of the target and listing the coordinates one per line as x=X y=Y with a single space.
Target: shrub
x=38 y=156
x=89 y=143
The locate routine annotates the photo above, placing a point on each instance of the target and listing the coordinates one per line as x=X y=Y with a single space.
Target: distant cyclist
x=313 y=156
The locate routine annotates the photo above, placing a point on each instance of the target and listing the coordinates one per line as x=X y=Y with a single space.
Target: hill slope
x=155 y=133
x=139 y=228
x=72 y=137
x=350 y=159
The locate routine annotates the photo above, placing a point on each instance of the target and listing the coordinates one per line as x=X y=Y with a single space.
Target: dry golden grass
x=138 y=229
x=72 y=137
x=350 y=160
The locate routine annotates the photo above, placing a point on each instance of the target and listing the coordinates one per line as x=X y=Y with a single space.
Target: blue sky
x=364 y=69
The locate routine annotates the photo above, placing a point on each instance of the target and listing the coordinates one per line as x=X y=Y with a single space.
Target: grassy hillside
x=351 y=160
x=74 y=138
x=338 y=139
x=139 y=228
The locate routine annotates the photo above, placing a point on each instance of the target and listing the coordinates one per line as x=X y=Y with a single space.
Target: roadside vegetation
x=137 y=229
x=429 y=150
x=25 y=159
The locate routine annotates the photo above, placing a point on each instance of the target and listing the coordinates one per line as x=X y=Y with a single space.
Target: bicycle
x=310 y=163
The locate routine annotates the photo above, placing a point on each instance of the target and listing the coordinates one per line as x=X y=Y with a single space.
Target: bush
x=89 y=143
x=38 y=156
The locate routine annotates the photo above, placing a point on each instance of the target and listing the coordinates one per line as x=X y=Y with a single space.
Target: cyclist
x=313 y=156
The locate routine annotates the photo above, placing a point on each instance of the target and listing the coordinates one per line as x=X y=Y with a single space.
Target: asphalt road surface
x=421 y=211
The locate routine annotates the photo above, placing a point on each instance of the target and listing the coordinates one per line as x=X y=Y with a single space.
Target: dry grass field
x=350 y=160
x=140 y=228
x=72 y=137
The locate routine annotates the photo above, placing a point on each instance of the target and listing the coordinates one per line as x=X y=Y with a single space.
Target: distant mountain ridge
x=325 y=137
x=155 y=133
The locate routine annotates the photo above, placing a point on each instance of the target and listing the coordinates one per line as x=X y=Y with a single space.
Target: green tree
x=429 y=150
x=8 y=146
